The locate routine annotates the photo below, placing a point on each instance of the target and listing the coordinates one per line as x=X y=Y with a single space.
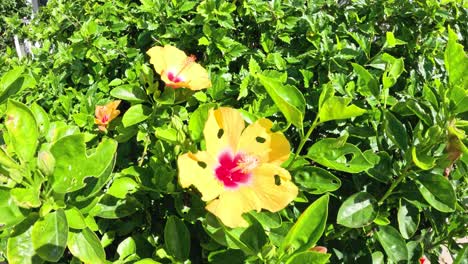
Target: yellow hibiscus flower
x=177 y=69
x=106 y=113
x=241 y=168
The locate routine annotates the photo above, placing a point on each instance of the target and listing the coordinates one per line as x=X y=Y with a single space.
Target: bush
x=371 y=95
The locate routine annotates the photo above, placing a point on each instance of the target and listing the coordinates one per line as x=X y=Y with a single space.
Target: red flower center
x=104 y=119
x=173 y=77
x=233 y=171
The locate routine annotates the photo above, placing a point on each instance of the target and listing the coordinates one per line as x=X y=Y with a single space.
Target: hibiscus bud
x=319 y=249
x=46 y=162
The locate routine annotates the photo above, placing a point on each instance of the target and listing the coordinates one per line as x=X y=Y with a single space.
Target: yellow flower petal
x=258 y=140
x=273 y=197
x=230 y=206
x=166 y=58
x=222 y=130
x=170 y=60
x=197 y=170
x=197 y=77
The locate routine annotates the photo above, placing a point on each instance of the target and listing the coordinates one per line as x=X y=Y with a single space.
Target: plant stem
x=143 y=154
x=394 y=185
x=304 y=140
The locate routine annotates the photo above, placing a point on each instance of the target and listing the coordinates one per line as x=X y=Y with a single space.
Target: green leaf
x=177 y=238
x=7 y=161
x=75 y=219
x=393 y=244
x=456 y=61
x=122 y=186
x=10 y=212
x=49 y=235
x=41 y=117
x=110 y=207
x=395 y=130
x=197 y=121
x=408 y=219
x=316 y=180
x=423 y=161
x=367 y=85
x=310 y=257
x=394 y=69
x=22 y=129
x=254 y=236
x=332 y=153
x=136 y=114
x=378 y=258
x=12 y=82
x=383 y=170
x=126 y=248
x=26 y=197
x=85 y=245
x=227 y=256
x=308 y=229
x=358 y=210
x=288 y=98
x=20 y=248
x=267 y=219
x=462 y=256
x=73 y=165
x=335 y=108
x=437 y=191
x=130 y=93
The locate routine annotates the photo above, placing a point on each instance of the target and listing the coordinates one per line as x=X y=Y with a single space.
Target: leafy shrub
x=372 y=96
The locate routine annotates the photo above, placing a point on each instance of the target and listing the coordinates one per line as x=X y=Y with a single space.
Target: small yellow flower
x=106 y=113
x=241 y=168
x=177 y=69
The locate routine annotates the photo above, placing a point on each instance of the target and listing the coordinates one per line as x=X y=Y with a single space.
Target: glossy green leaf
x=308 y=228
x=122 y=186
x=346 y=157
x=20 y=249
x=42 y=119
x=437 y=191
x=408 y=219
x=73 y=165
x=392 y=243
x=336 y=108
x=367 y=85
x=22 y=129
x=130 y=93
x=49 y=235
x=197 y=121
x=9 y=211
x=310 y=257
x=85 y=245
x=12 y=82
x=415 y=251
x=110 y=207
x=382 y=171
x=316 y=180
x=394 y=69
x=378 y=258
x=422 y=160
x=7 y=161
x=267 y=219
x=358 y=210
x=126 y=248
x=136 y=114
x=456 y=61
x=75 y=218
x=395 y=130
x=177 y=238
x=288 y=98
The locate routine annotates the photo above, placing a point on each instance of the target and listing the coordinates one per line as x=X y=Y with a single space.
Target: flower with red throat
x=241 y=168
x=106 y=113
x=177 y=69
